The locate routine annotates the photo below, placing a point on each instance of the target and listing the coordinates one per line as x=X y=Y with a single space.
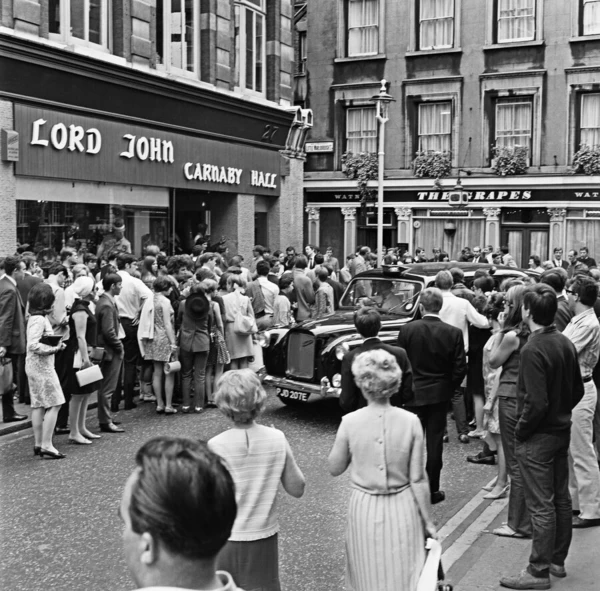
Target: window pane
x=513 y=124
x=435 y=127
x=361 y=130
x=436 y=23
x=78 y=19
x=259 y=52
x=363 y=30
x=190 y=37
x=54 y=16
x=95 y=15
x=249 y=49
x=591 y=17
x=516 y=20
x=590 y=119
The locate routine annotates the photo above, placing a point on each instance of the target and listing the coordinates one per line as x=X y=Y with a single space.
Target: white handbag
x=88 y=375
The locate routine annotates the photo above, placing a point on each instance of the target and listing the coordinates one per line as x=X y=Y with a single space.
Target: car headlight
x=264 y=338
x=341 y=350
x=336 y=380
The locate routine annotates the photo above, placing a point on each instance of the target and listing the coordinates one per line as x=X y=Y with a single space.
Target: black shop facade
x=86 y=143
x=531 y=216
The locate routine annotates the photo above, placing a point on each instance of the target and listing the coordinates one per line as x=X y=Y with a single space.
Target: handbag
x=88 y=376
x=244 y=324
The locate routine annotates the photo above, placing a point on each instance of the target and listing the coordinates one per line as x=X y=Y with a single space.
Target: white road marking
x=459 y=518
x=470 y=535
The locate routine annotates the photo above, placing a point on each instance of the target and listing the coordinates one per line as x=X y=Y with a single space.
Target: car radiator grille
x=301 y=355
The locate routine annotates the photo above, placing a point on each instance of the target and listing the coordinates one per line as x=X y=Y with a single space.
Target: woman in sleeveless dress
x=163 y=347
x=389 y=513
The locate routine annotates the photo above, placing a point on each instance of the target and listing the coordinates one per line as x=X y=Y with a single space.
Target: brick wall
x=8 y=206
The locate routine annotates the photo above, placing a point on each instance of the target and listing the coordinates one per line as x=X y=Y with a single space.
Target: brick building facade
x=467 y=76
x=174 y=115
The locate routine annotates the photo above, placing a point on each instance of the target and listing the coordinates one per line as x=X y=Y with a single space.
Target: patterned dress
x=44 y=384
x=159 y=348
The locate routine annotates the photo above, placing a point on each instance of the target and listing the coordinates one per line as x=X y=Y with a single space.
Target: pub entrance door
x=524 y=242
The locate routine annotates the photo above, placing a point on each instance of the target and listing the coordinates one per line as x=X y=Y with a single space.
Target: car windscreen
x=390 y=296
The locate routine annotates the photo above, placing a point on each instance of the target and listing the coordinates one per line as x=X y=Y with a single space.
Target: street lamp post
x=382 y=102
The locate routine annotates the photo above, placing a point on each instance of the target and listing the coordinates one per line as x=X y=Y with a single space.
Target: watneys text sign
x=74 y=147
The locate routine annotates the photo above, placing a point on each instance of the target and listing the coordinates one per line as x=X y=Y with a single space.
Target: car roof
x=428 y=270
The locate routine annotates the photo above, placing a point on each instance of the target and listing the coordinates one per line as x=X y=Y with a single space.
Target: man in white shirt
x=488 y=254
x=477 y=256
x=134 y=293
x=460 y=313
x=269 y=292
x=172 y=537
x=557 y=259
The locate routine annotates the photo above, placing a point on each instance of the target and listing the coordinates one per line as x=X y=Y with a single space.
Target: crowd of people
x=179 y=333
x=158 y=327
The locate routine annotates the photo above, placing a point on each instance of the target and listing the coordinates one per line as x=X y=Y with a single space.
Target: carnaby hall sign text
x=67 y=146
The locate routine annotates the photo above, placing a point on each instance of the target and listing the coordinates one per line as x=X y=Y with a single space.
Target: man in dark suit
x=436 y=352
x=109 y=336
x=557 y=259
x=368 y=323
x=557 y=279
x=12 y=333
x=25 y=281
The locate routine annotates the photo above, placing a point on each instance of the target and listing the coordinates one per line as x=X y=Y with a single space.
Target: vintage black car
x=305 y=360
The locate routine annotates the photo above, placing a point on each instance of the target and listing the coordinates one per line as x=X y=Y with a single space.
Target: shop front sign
x=75 y=147
x=475 y=196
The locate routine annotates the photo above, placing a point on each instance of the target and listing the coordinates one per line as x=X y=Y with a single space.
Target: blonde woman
x=258 y=458
x=389 y=512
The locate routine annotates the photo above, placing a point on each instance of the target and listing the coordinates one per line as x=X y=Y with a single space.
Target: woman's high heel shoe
x=36 y=450
x=51 y=454
x=500 y=495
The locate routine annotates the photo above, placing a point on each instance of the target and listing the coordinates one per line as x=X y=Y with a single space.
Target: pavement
x=59 y=528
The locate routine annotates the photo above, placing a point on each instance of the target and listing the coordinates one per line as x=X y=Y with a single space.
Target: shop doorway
x=525 y=242
x=191 y=218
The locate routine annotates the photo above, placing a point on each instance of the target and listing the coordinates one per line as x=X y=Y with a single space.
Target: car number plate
x=292 y=394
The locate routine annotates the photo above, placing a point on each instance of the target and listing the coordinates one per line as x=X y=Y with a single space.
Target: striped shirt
x=256 y=459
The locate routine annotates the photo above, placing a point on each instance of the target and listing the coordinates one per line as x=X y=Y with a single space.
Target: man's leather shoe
x=579 y=523
x=115 y=422
x=111 y=428
x=481 y=459
x=558 y=571
x=62 y=430
x=438 y=497
x=525 y=580
x=15 y=418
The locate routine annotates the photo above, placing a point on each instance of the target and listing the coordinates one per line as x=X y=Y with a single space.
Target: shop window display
x=90 y=228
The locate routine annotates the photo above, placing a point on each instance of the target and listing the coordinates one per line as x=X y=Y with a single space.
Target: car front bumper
x=324 y=389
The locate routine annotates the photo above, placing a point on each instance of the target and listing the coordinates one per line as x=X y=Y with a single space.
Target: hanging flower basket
x=362 y=167
x=510 y=161
x=432 y=164
x=587 y=160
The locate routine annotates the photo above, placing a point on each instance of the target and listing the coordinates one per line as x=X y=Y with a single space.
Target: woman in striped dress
x=389 y=514
x=258 y=458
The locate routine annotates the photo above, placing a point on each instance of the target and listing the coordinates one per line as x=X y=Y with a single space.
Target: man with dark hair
x=488 y=254
x=12 y=334
x=359 y=264
x=109 y=335
x=338 y=288
x=282 y=315
x=507 y=258
x=585 y=258
x=436 y=352
x=134 y=292
x=573 y=262
x=331 y=260
x=557 y=279
x=584 y=332
x=557 y=259
x=310 y=252
x=548 y=387
x=420 y=255
x=459 y=289
x=290 y=256
x=178 y=509
x=258 y=253
x=262 y=294
x=459 y=312
x=368 y=323
x=303 y=287
x=324 y=298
